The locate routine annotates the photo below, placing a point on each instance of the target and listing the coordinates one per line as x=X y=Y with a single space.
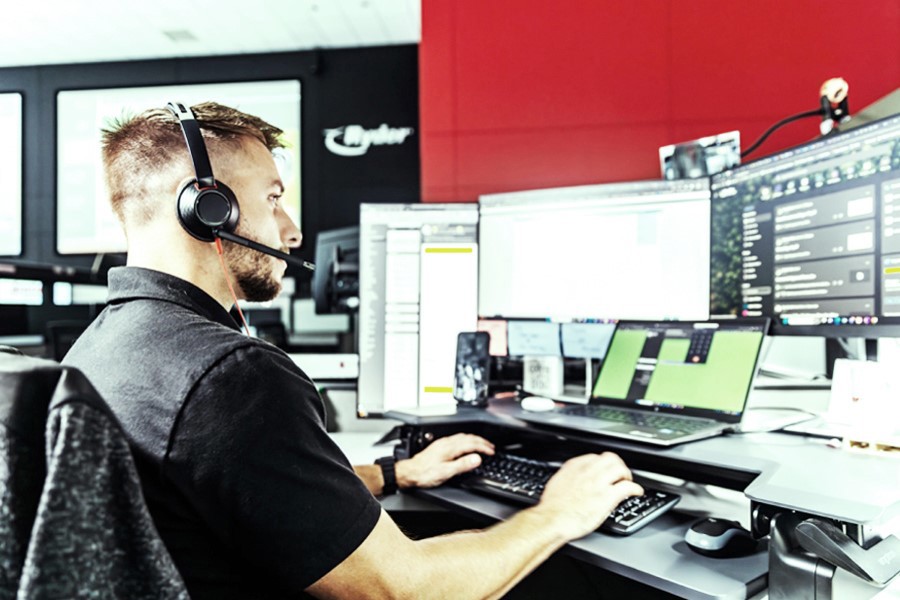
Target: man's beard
x=253 y=272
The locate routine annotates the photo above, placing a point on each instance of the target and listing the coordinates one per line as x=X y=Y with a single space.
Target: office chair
x=72 y=517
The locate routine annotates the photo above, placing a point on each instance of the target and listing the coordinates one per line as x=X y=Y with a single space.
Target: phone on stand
x=473 y=368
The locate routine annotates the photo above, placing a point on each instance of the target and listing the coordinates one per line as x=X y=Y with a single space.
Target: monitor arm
x=878 y=564
x=805 y=553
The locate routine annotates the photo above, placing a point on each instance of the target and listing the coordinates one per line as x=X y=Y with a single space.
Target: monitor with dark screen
x=810 y=236
x=335 y=285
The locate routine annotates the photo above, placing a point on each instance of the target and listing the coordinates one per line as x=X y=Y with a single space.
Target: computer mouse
x=719 y=538
x=538 y=404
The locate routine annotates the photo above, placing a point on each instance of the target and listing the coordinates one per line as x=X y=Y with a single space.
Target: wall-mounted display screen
x=25 y=292
x=85 y=224
x=10 y=174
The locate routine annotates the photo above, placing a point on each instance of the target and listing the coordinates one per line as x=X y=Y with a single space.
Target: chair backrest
x=22 y=456
x=70 y=498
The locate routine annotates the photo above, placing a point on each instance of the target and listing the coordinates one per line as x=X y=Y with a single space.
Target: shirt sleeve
x=251 y=454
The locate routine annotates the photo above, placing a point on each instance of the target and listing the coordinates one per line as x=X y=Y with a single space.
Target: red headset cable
x=228 y=281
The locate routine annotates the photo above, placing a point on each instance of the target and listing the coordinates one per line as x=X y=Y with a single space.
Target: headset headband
x=196 y=146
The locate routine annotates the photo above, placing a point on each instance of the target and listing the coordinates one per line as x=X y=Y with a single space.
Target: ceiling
x=66 y=31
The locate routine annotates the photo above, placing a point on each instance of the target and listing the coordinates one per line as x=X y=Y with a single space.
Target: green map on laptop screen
x=707 y=368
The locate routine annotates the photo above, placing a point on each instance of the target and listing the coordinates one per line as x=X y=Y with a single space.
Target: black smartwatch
x=387 y=464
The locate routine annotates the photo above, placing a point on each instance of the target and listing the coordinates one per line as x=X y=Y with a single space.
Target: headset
x=207 y=209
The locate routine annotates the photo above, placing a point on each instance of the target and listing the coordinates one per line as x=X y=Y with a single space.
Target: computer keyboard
x=522 y=480
x=637 y=418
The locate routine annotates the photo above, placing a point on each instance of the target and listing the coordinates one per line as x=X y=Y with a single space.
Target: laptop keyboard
x=654 y=420
x=522 y=480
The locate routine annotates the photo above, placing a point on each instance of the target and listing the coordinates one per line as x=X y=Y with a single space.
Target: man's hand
x=584 y=492
x=443 y=459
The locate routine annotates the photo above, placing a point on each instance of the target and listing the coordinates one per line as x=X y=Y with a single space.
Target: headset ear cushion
x=201 y=212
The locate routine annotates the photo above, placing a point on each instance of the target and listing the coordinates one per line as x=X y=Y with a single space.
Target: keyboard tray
x=522 y=480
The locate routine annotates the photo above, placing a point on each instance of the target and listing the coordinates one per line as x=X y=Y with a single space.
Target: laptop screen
x=703 y=369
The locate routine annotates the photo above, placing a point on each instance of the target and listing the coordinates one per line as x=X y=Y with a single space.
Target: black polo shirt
x=250 y=495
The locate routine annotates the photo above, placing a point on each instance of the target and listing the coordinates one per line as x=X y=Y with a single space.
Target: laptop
x=668 y=382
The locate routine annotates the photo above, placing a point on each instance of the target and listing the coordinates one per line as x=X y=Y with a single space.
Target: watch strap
x=389 y=474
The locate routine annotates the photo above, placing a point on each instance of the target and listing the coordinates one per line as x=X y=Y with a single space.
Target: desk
x=772 y=468
x=656 y=555
x=30 y=345
x=777 y=471
x=632 y=556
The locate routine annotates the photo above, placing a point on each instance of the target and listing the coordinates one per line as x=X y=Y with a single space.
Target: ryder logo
x=354 y=140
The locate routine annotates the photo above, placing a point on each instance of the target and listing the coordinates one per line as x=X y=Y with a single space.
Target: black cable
x=781 y=123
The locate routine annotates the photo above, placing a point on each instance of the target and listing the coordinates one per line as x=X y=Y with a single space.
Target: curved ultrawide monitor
x=810 y=236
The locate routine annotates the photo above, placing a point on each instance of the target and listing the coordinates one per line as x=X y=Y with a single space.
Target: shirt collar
x=134 y=283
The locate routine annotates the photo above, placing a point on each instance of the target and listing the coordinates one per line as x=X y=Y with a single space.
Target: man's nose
x=290 y=234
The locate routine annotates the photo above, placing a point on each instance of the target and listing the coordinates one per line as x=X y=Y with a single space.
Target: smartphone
x=473 y=368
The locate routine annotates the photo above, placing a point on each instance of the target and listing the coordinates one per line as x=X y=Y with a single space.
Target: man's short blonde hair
x=145 y=156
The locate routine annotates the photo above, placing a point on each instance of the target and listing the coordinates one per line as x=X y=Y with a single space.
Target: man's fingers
x=461 y=465
x=442 y=471
x=606 y=468
x=626 y=489
x=463 y=443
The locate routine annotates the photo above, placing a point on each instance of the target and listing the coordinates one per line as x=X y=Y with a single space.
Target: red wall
x=538 y=93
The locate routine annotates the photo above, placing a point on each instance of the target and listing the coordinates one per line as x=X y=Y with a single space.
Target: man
x=250 y=495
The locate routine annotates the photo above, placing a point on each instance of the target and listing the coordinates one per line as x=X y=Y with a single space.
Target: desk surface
x=777 y=469
x=656 y=555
